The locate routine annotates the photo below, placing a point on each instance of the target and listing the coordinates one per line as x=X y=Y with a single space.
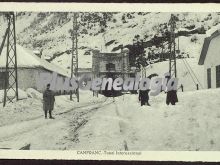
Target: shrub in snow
x=42 y=14
x=123 y=19
x=129 y=16
x=114 y=20
x=206 y=18
x=84 y=31
x=194 y=38
x=146 y=36
x=137 y=37
x=190 y=26
x=216 y=21
x=87 y=53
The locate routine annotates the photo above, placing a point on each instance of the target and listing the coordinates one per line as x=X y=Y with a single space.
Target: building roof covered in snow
x=27 y=59
x=205 y=46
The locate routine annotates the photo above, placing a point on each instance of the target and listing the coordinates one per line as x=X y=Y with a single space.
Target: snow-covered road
x=47 y=134
x=192 y=125
x=120 y=124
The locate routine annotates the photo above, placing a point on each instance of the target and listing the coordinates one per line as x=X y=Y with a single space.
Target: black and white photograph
x=110 y=81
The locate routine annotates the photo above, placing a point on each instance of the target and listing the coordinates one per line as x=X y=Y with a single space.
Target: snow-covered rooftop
x=27 y=59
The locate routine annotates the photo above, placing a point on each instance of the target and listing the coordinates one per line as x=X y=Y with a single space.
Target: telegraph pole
x=74 y=60
x=172 y=57
x=11 y=81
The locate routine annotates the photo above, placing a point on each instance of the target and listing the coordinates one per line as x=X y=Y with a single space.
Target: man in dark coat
x=171 y=96
x=48 y=101
x=144 y=97
x=144 y=94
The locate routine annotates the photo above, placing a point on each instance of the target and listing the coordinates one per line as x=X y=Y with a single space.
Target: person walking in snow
x=144 y=97
x=48 y=101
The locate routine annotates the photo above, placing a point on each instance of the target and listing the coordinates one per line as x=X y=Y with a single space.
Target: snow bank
x=212 y=30
x=21 y=94
x=34 y=94
x=190 y=125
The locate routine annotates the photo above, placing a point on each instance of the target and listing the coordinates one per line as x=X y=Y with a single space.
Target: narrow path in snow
x=56 y=113
x=121 y=123
x=41 y=133
x=106 y=129
x=80 y=119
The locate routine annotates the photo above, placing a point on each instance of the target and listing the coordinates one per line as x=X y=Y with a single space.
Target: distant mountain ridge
x=51 y=32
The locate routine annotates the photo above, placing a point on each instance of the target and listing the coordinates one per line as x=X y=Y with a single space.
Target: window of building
x=218 y=76
x=209 y=77
x=110 y=67
x=2 y=80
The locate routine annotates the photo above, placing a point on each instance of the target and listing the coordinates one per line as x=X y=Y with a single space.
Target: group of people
x=170 y=99
x=49 y=99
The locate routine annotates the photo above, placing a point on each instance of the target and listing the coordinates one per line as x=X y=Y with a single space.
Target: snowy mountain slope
x=51 y=31
x=189 y=72
x=184 y=72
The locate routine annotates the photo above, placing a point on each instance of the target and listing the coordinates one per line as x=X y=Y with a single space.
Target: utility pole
x=74 y=61
x=172 y=57
x=11 y=81
x=96 y=71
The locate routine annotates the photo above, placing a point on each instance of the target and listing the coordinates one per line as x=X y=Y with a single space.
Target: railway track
x=122 y=131
x=57 y=113
x=27 y=127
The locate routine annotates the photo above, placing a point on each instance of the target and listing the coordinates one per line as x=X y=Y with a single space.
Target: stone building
x=29 y=67
x=110 y=65
x=210 y=58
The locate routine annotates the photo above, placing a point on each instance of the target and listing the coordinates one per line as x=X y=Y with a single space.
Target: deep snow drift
x=115 y=123
x=23 y=122
x=193 y=124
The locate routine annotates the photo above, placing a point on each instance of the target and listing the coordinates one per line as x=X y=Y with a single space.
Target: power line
x=11 y=81
x=172 y=58
x=193 y=73
x=74 y=60
x=189 y=72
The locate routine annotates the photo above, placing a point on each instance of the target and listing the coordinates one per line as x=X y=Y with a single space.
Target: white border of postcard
x=100 y=155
